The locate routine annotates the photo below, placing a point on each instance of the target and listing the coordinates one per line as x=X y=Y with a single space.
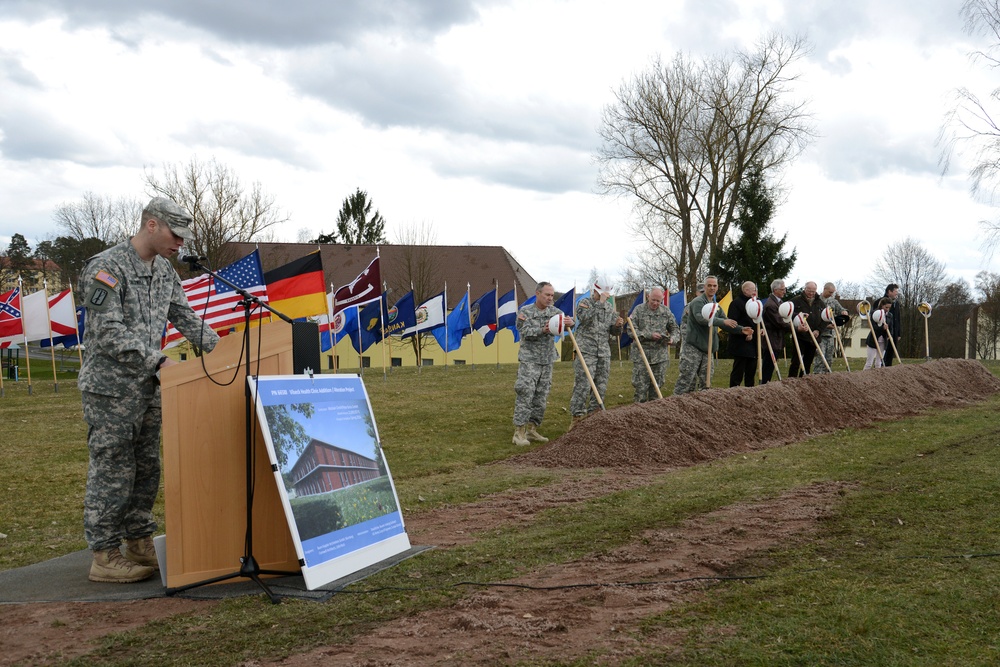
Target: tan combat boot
x=533 y=434
x=141 y=551
x=110 y=566
x=520 y=438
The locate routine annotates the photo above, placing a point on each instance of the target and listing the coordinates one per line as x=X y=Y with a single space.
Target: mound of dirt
x=684 y=430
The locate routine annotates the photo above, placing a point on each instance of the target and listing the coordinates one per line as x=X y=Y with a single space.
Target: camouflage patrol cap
x=167 y=211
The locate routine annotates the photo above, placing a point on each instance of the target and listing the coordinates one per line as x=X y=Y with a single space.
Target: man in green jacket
x=694 y=355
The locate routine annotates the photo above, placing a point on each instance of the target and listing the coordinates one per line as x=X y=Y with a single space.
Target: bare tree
x=680 y=137
x=988 y=338
x=416 y=268
x=920 y=276
x=971 y=128
x=648 y=268
x=223 y=209
x=110 y=219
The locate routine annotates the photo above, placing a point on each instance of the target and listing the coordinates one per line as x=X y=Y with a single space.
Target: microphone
x=191 y=259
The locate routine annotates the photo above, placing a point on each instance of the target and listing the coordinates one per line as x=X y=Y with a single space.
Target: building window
x=329 y=361
x=184 y=356
x=459 y=362
x=396 y=361
x=426 y=362
x=366 y=362
x=848 y=342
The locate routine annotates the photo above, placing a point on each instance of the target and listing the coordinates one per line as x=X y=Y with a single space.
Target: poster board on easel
x=334 y=482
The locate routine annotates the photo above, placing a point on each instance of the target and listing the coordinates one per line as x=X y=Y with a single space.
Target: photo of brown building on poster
x=323 y=467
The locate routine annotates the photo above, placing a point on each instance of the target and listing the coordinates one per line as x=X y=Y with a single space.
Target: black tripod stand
x=249 y=569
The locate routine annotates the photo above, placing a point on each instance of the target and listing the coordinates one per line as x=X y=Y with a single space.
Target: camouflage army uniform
x=684 y=328
x=827 y=341
x=128 y=304
x=534 y=370
x=595 y=324
x=647 y=322
x=693 y=365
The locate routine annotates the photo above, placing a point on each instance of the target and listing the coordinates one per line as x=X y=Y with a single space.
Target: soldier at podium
x=131 y=290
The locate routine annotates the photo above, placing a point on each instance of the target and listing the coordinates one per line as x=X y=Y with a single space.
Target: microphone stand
x=249 y=569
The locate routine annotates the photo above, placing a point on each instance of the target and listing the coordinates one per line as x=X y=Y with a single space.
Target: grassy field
x=903 y=574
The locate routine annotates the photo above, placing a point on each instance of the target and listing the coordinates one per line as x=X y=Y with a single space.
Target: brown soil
x=683 y=430
x=504 y=625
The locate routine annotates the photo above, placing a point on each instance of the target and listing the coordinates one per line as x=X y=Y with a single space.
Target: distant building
x=323 y=467
x=424 y=268
x=40 y=269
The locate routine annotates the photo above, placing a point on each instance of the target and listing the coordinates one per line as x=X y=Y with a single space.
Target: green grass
x=885 y=581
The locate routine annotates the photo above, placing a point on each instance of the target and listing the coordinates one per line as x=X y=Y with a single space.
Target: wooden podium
x=205 y=466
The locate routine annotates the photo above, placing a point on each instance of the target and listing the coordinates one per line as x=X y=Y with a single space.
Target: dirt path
x=497 y=626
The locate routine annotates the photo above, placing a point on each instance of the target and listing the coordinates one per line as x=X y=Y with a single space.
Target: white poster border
x=359 y=545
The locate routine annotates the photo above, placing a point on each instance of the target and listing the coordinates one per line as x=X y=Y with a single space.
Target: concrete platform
x=64 y=579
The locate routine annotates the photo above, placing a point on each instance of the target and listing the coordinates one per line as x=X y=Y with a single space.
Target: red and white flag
x=62 y=314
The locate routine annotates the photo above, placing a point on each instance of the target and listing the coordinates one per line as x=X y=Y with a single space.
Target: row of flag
x=28 y=318
x=359 y=310
x=375 y=321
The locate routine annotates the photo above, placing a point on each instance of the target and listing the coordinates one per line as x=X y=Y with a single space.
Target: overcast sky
x=477 y=118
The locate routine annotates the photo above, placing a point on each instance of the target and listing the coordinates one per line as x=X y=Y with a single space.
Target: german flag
x=297 y=289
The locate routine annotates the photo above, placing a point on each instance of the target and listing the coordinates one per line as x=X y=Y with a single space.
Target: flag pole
x=332 y=304
x=381 y=328
x=444 y=310
x=76 y=327
x=24 y=332
x=52 y=347
x=472 y=342
x=496 y=309
x=361 y=363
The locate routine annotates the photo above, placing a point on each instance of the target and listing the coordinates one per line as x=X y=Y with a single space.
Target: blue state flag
x=566 y=302
x=371 y=323
x=402 y=316
x=626 y=337
x=456 y=327
x=484 y=316
x=345 y=323
x=507 y=314
x=677 y=303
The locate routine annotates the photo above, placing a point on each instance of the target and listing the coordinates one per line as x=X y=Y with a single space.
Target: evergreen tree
x=755 y=254
x=356 y=225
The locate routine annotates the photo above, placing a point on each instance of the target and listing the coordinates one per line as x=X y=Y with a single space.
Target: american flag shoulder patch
x=106 y=278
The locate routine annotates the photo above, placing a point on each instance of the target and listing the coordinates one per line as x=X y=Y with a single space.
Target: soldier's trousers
x=693 y=365
x=600 y=369
x=829 y=347
x=531 y=392
x=124 y=472
x=642 y=383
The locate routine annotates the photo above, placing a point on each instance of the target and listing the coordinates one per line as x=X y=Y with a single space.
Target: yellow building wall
x=472 y=351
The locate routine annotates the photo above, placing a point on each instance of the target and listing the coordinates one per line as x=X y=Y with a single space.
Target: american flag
x=217 y=303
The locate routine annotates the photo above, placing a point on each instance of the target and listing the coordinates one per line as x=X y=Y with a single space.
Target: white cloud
x=478 y=117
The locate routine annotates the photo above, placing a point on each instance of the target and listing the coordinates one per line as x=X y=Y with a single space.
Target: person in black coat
x=895 y=323
x=809 y=304
x=743 y=349
x=775 y=329
x=880 y=330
